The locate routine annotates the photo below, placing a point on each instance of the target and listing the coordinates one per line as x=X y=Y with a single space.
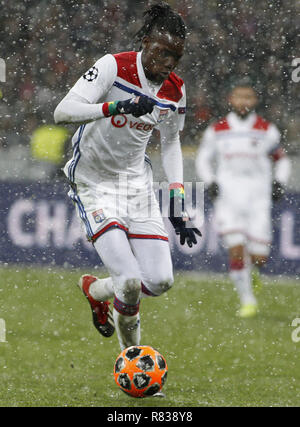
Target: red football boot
x=102 y=315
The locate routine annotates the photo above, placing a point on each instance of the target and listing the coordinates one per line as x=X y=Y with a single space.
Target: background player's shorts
x=129 y=206
x=242 y=223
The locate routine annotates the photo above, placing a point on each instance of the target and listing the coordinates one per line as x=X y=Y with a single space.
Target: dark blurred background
x=48 y=45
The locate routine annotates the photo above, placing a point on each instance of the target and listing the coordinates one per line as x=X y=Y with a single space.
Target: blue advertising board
x=39 y=225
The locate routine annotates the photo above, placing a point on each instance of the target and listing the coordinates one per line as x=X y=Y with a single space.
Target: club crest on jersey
x=98 y=216
x=162 y=115
x=91 y=74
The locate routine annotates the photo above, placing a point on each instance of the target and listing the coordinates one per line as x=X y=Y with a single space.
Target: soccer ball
x=140 y=371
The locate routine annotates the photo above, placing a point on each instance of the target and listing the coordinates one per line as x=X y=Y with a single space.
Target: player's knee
x=259 y=260
x=131 y=290
x=237 y=253
x=163 y=284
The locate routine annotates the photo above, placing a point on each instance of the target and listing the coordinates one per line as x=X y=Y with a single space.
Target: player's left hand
x=187 y=235
x=213 y=191
x=179 y=217
x=277 y=191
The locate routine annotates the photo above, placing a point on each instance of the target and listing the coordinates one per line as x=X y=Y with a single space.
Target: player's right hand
x=136 y=106
x=277 y=191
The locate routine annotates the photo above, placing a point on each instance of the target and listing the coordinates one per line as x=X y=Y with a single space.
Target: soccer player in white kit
x=244 y=168
x=118 y=102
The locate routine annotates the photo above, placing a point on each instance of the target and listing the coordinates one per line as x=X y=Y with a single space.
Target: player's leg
x=155 y=266
x=155 y=263
x=240 y=273
x=100 y=208
x=259 y=238
x=115 y=251
x=141 y=225
x=258 y=252
x=95 y=207
x=86 y=198
x=102 y=313
x=100 y=289
x=150 y=244
x=231 y=221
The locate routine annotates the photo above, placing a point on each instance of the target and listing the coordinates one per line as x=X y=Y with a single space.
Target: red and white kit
x=110 y=173
x=243 y=156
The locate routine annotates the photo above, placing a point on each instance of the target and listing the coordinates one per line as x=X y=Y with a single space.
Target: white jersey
x=243 y=151
x=110 y=146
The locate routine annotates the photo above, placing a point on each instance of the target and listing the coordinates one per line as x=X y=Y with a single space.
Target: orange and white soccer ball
x=140 y=371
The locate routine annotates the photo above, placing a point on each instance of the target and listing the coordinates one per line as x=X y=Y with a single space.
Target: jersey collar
x=235 y=121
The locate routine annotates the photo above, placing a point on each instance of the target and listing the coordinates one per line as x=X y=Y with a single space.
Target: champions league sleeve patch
x=91 y=74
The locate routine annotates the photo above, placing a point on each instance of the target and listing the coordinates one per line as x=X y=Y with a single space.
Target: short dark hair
x=160 y=15
x=243 y=81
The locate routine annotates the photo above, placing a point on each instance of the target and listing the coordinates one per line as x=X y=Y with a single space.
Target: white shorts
x=253 y=247
x=247 y=224
x=125 y=205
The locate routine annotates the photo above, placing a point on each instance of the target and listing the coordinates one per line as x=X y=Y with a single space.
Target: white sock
x=128 y=329
x=242 y=282
x=102 y=289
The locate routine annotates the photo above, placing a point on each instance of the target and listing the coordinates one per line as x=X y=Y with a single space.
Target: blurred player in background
x=118 y=102
x=244 y=168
